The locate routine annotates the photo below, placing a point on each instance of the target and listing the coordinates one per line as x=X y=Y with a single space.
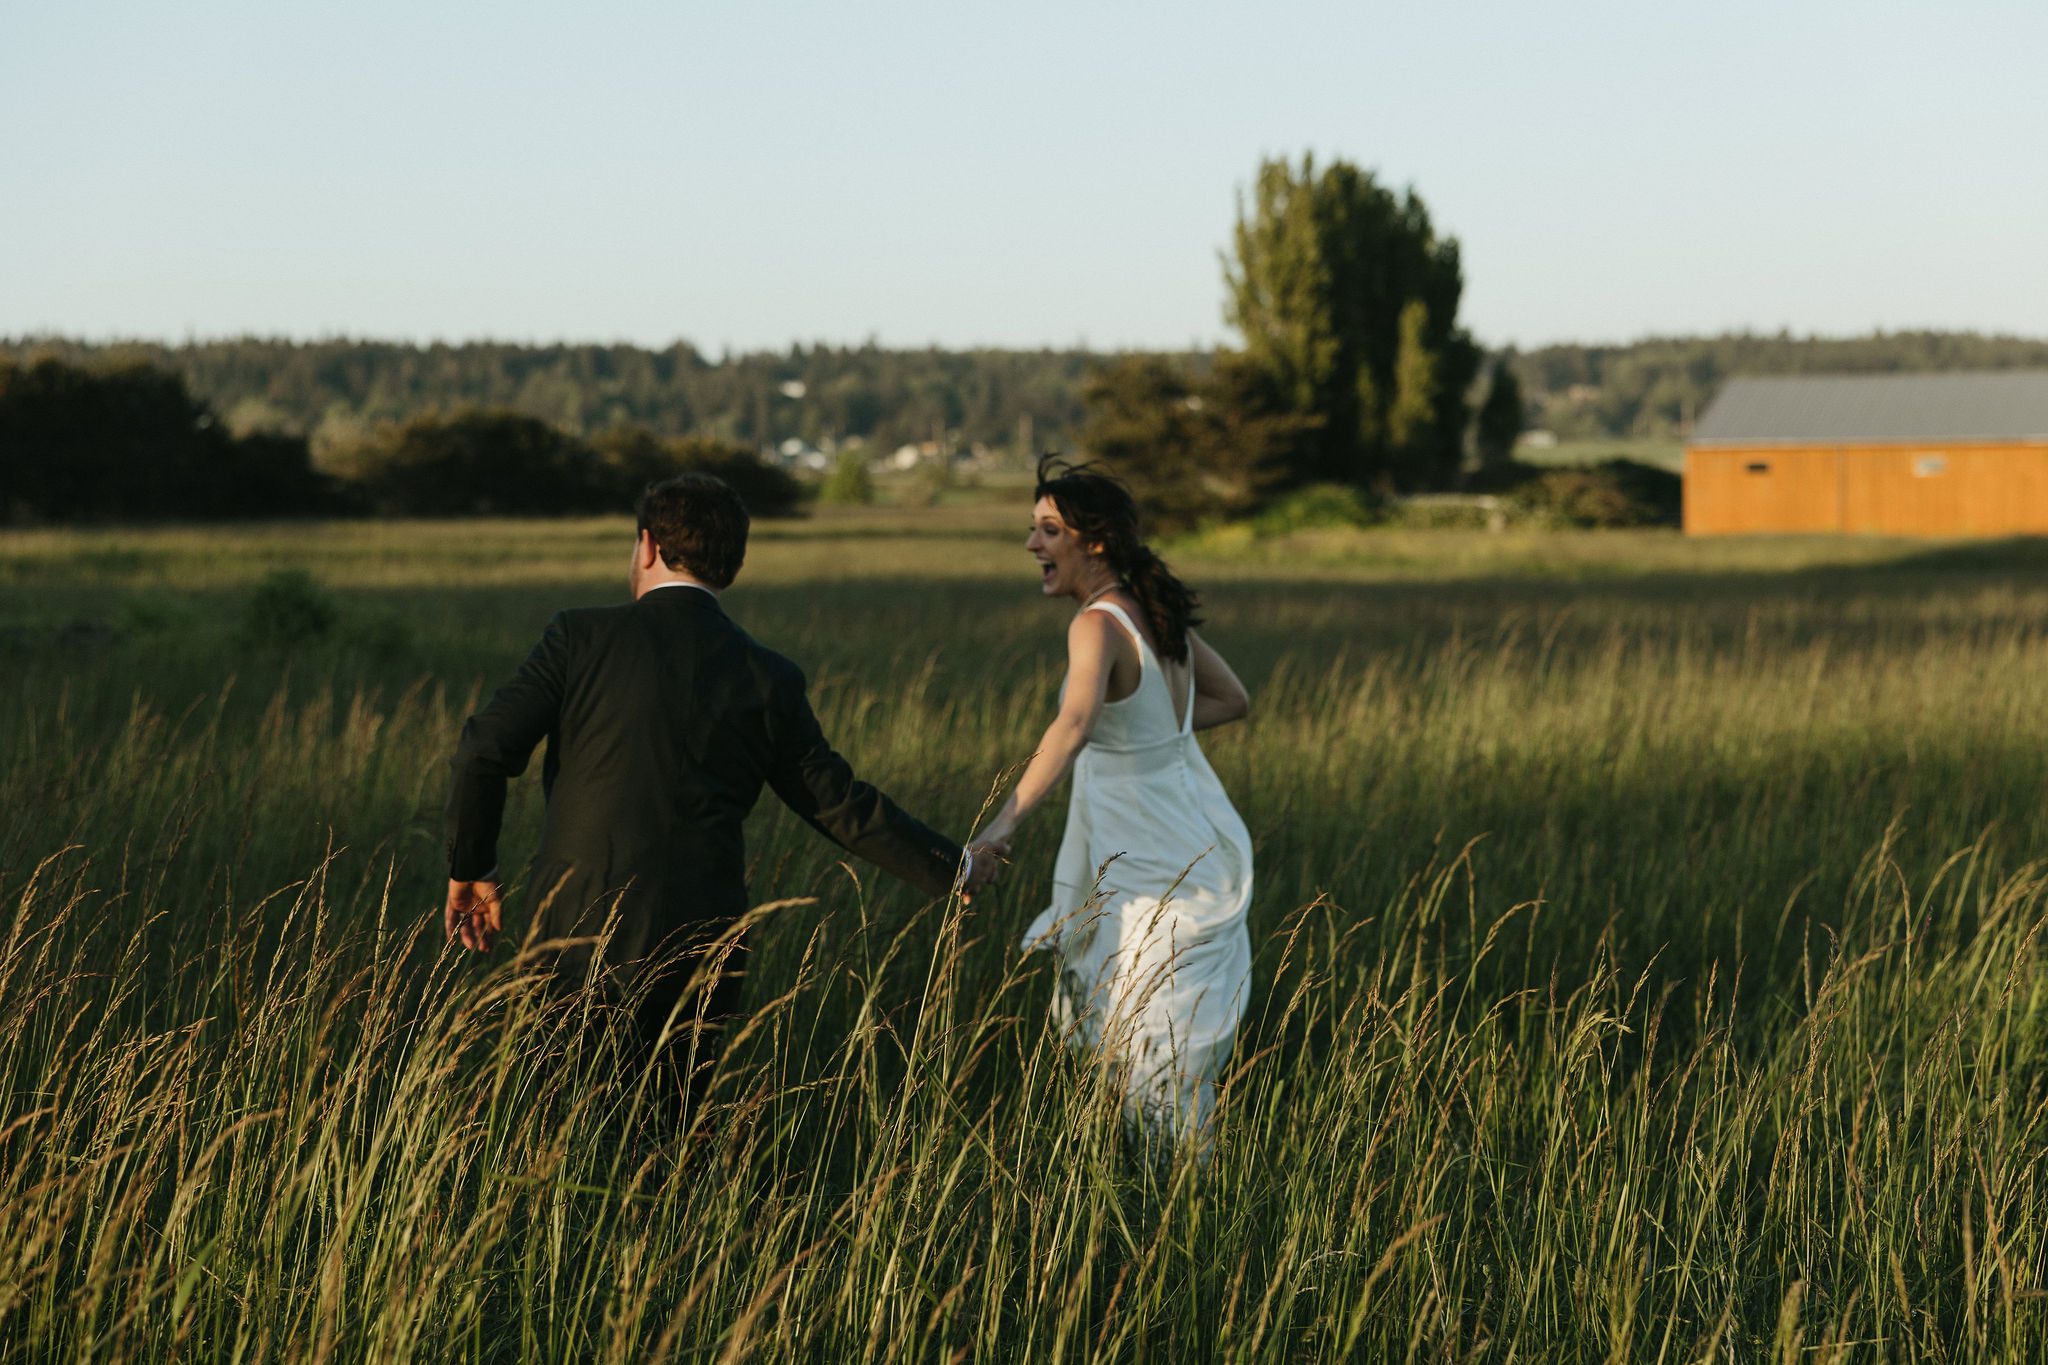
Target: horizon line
x=1080 y=346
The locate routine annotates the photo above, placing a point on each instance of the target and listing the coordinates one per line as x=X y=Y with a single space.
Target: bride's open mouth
x=1045 y=570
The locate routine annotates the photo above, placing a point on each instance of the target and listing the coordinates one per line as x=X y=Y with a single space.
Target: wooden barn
x=1896 y=454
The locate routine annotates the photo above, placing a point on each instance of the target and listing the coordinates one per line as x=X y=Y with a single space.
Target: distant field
x=1667 y=454
x=1649 y=967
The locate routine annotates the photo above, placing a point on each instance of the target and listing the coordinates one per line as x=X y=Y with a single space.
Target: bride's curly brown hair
x=1098 y=507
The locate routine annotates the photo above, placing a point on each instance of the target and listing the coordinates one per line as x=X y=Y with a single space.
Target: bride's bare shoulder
x=1099 y=635
x=1091 y=627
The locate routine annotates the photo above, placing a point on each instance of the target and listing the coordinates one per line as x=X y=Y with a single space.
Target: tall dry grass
x=1649 y=970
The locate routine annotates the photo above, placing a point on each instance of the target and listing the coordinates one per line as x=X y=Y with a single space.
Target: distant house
x=1897 y=454
x=796 y=453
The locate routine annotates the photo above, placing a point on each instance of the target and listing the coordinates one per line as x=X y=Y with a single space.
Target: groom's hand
x=984 y=861
x=474 y=912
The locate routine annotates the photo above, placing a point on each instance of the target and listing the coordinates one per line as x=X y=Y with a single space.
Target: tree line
x=94 y=432
x=131 y=442
x=1352 y=374
x=1656 y=387
x=336 y=392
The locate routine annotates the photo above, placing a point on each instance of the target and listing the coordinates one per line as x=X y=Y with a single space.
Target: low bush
x=507 y=463
x=483 y=463
x=631 y=458
x=1610 y=494
x=132 y=443
x=1319 y=507
x=288 y=608
x=766 y=490
x=849 y=484
x=926 y=484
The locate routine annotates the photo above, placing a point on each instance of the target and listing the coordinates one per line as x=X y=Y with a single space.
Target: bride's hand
x=982 y=865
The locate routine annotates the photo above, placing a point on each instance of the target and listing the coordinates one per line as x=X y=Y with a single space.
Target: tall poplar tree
x=1348 y=299
x=1500 y=420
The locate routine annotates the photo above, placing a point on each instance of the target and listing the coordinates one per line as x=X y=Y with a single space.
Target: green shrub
x=1449 y=512
x=1319 y=507
x=766 y=490
x=381 y=637
x=631 y=458
x=1612 y=493
x=131 y=442
x=497 y=463
x=849 y=483
x=478 y=463
x=926 y=484
x=288 y=608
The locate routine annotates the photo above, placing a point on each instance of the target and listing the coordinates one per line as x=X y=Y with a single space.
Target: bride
x=1154 y=959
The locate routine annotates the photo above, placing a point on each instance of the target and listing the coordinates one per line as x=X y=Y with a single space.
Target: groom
x=663 y=720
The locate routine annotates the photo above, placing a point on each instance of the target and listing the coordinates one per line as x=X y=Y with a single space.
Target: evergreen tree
x=1500 y=419
x=1345 y=295
x=1192 y=449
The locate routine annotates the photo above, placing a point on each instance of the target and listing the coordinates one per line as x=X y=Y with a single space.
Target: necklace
x=1099 y=594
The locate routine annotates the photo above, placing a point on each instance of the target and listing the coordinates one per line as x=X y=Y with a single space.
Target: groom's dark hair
x=699 y=526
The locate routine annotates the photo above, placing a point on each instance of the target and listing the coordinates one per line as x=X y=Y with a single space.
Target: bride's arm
x=1219 y=697
x=1089 y=640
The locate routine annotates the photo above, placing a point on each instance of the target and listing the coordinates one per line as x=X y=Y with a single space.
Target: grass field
x=1667 y=454
x=1648 y=969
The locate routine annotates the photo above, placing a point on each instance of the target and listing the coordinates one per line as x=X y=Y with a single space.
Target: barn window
x=1928 y=466
x=1759 y=467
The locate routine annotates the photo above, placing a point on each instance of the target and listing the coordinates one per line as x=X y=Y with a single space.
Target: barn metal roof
x=1989 y=405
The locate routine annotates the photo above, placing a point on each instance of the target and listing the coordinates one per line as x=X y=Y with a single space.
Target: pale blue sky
x=753 y=174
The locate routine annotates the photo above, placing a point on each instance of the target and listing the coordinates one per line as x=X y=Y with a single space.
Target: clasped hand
x=475 y=911
x=985 y=859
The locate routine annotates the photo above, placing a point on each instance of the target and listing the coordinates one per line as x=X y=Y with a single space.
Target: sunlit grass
x=1649 y=970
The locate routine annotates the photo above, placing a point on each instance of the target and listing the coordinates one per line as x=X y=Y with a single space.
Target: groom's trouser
x=678 y=984
x=691 y=994
x=684 y=1017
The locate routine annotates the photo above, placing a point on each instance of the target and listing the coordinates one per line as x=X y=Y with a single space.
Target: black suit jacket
x=663 y=719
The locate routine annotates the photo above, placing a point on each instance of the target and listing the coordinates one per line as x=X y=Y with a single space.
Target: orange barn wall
x=1925 y=489
x=1798 y=490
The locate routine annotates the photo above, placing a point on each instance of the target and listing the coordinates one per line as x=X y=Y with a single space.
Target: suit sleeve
x=495 y=747
x=815 y=782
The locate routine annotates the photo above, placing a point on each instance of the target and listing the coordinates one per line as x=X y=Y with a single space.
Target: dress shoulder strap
x=1123 y=618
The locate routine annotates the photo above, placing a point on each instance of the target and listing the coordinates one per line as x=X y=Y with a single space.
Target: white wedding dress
x=1155 y=961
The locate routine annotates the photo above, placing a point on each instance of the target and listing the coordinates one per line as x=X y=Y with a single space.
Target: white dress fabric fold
x=1155 y=960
